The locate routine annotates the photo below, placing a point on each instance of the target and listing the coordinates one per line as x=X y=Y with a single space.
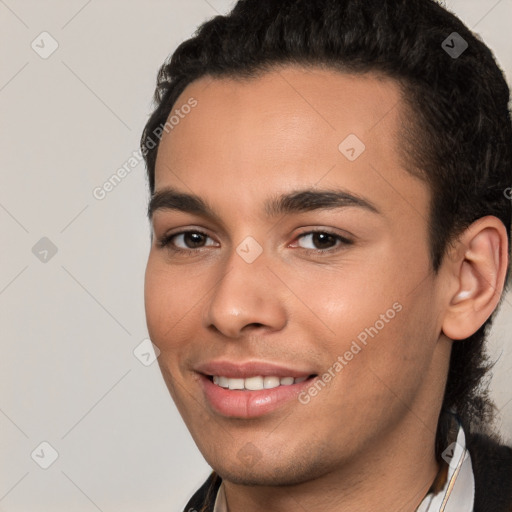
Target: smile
x=248 y=397
x=255 y=383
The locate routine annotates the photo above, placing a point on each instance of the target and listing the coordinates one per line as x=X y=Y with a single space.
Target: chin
x=267 y=474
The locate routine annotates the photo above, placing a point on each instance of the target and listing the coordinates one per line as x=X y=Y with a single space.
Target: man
x=330 y=243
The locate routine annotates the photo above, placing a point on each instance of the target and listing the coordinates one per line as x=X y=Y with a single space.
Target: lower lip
x=249 y=404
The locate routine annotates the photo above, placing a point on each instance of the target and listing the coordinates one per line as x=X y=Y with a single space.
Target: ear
x=478 y=266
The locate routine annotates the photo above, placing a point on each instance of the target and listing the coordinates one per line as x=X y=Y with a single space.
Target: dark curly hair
x=457 y=138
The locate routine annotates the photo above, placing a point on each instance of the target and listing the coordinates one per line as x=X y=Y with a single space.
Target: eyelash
x=165 y=242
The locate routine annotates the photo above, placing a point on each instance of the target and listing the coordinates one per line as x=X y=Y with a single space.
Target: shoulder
x=204 y=498
x=492 y=468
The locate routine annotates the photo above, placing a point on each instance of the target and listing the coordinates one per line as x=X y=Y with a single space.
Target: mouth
x=257 y=382
x=252 y=396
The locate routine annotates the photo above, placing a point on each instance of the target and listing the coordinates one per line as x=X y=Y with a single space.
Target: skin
x=366 y=441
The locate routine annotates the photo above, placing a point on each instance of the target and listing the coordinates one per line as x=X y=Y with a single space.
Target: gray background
x=71 y=321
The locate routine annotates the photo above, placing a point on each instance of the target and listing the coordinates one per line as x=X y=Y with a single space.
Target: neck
x=391 y=474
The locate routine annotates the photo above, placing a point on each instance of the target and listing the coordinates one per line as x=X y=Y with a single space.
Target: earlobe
x=479 y=274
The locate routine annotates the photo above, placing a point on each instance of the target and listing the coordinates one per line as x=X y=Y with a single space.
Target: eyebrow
x=298 y=201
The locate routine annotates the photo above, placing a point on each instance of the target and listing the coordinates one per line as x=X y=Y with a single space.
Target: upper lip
x=246 y=369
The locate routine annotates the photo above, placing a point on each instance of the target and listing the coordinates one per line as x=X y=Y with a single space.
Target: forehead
x=288 y=105
x=290 y=127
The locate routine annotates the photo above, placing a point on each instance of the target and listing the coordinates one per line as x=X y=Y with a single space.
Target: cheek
x=153 y=303
x=372 y=293
x=394 y=359
x=350 y=298
x=164 y=304
x=374 y=318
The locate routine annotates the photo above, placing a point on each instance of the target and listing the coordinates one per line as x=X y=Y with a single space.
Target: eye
x=188 y=241
x=322 y=241
x=192 y=241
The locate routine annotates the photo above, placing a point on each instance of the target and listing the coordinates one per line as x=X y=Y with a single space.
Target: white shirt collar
x=220 y=502
x=457 y=495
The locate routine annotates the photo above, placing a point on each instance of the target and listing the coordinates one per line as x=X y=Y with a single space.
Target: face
x=303 y=254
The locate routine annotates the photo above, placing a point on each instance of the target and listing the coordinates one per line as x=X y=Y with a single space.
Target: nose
x=247 y=296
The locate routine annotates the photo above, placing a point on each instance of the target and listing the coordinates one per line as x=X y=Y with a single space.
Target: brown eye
x=191 y=239
x=185 y=241
x=322 y=241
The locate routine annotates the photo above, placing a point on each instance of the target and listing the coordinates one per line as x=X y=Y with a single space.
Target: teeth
x=236 y=383
x=255 y=383
x=271 y=382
